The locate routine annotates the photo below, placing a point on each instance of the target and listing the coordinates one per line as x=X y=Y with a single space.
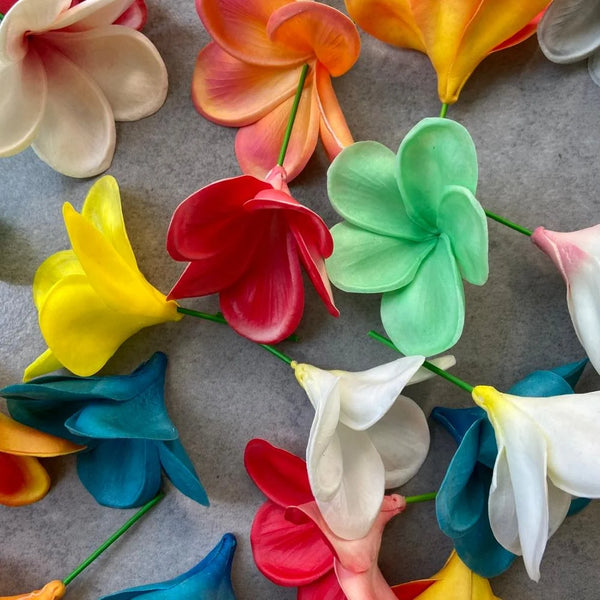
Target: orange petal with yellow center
x=22 y=480
x=521 y=35
x=51 y=591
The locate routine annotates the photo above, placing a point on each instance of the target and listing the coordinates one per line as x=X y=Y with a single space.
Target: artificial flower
x=548 y=451
x=53 y=590
x=577 y=257
x=22 y=479
x=568 y=33
x=461 y=502
x=92 y=298
x=210 y=579
x=124 y=423
x=413 y=231
x=365 y=437
x=456 y=34
x=455 y=580
x=293 y=546
x=67 y=72
x=248 y=75
x=245 y=239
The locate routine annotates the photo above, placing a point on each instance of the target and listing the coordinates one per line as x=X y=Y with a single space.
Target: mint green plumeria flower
x=413 y=230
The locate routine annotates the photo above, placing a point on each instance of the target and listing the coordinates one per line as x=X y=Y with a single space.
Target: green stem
x=288 y=130
x=443 y=110
x=430 y=366
x=1 y=17
x=420 y=498
x=508 y=223
x=113 y=538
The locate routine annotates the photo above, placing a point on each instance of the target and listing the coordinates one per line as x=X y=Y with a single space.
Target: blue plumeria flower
x=462 y=500
x=124 y=424
x=210 y=579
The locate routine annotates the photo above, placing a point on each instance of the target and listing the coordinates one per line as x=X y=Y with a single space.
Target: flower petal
x=135 y=16
x=232 y=92
x=51 y=271
x=427 y=315
x=22 y=480
x=594 y=67
x=325 y=588
x=124 y=64
x=91 y=14
x=441 y=362
x=367 y=263
x=76 y=135
x=44 y=363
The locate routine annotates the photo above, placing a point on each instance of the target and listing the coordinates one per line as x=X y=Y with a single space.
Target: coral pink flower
x=292 y=544
x=245 y=239
x=248 y=76
x=67 y=71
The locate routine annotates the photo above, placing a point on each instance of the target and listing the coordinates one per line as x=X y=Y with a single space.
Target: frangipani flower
x=248 y=76
x=461 y=502
x=456 y=34
x=455 y=580
x=577 y=257
x=210 y=579
x=548 y=451
x=22 y=479
x=67 y=72
x=92 y=298
x=413 y=231
x=125 y=425
x=245 y=239
x=365 y=437
x=568 y=33
x=53 y=590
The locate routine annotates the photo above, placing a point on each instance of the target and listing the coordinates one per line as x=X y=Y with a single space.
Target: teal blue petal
x=427 y=316
x=463 y=220
x=366 y=262
x=435 y=154
x=210 y=579
x=179 y=469
x=362 y=188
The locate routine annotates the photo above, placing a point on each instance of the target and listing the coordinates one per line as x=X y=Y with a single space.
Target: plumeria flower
x=124 y=424
x=548 y=451
x=23 y=480
x=93 y=297
x=456 y=34
x=413 y=230
x=248 y=75
x=53 y=590
x=568 y=33
x=577 y=257
x=461 y=502
x=365 y=437
x=293 y=546
x=245 y=240
x=210 y=579
x=67 y=71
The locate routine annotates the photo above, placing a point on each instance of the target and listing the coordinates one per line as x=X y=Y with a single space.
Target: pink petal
x=91 y=14
x=326 y=588
x=135 y=16
x=367 y=585
x=257 y=146
x=280 y=475
x=231 y=92
x=286 y=553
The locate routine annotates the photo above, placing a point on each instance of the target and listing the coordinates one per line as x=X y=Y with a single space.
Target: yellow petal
x=51 y=591
x=52 y=270
x=44 y=363
x=22 y=480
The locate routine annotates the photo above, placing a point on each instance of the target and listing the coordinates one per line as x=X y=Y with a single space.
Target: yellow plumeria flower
x=93 y=297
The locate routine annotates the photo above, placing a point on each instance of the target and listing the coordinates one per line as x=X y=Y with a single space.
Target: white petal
x=123 y=62
x=559 y=503
x=22 y=102
x=594 y=67
x=570 y=30
x=91 y=13
x=367 y=395
x=442 y=362
x=402 y=440
x=77 y=133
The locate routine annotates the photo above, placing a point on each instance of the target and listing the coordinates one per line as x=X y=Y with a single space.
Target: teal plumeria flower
x=413 y=230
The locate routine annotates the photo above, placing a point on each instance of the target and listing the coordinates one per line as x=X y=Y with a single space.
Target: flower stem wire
x=288 y=130
x=420 y=498
x=508 y=223
x=443 y=111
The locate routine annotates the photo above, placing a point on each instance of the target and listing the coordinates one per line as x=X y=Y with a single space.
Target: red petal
x=412 y=589
x=280 y=475
x=326 y=588
x=23 y=480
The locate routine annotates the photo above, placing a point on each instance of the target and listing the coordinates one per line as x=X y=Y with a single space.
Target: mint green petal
x=362 y=188
x=434 y=154
x=427 y=316
x=367 y=263
x=463 y=220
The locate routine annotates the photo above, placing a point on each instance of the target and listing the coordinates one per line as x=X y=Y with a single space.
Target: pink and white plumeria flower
x=68 y=70
x=577 y=257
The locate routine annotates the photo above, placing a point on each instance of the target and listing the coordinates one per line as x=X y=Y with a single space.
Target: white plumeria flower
x=365 y=437
x=570 y=31
x=577 y=257
x=66 y=73
x=548 y=450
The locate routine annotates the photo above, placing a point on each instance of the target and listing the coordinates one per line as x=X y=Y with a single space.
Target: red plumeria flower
x=247 y=77
x=245 y=239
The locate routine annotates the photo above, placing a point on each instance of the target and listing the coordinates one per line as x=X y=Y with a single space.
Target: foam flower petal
x=54 y=590
x=90 y=14
x=324 y=588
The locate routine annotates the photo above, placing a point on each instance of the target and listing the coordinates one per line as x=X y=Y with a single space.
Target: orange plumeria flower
x=51 y=591
x=248 y=75
x=456 y=34
x=22 y=479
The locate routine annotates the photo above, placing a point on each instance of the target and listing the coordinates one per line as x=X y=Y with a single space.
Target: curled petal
x=44 y=363
x=91 y=14
x=22 y=480
x=51 y=591
x=51 y=271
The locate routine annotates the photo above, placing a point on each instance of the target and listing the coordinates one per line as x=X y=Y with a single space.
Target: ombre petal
x=135 y=16
x=522 y=34
x=23 y=480
x=90 y=14
x=54 y=590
